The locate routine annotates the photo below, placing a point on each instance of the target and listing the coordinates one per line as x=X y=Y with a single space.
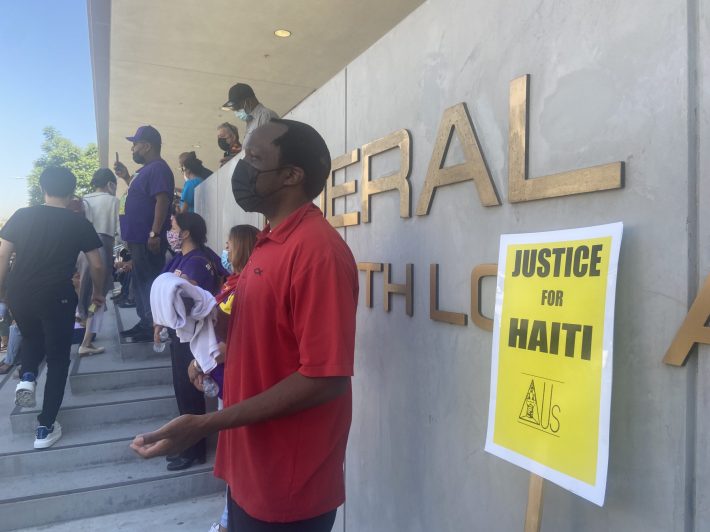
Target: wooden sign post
x=533 y=514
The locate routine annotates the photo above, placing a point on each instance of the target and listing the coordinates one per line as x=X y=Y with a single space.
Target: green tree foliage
x=58 y=150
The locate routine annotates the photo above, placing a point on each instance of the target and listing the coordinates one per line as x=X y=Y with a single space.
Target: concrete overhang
x=170 y=63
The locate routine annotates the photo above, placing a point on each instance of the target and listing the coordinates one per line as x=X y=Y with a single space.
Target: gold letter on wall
x=693 y=328
x=369 y=268
x=520 y=188
x=455 y=318
x=457 y=120
x=405 y=289
x=478 y=273
x=395 y=181
x=339 y=191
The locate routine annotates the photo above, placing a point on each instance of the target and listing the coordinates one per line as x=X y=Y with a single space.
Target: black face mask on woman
x=244 y=180
x=223 y=144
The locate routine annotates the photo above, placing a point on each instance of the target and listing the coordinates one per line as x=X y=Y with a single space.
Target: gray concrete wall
x=609 y=81
x=699 y=175
x=215 y=202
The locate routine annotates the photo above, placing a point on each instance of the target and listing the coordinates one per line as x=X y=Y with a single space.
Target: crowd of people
x=268 y=326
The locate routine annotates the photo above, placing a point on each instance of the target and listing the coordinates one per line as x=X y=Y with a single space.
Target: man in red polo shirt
x=290 y=348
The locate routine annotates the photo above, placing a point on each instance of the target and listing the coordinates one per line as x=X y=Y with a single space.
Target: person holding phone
x=144 y=220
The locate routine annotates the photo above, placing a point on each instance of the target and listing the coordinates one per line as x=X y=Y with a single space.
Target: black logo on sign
x=540 y=412
x=530 y=411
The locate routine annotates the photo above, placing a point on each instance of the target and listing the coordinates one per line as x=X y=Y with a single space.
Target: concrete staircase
x=109 y=399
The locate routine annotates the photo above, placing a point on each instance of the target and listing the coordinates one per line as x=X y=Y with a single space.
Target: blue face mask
x=225 y=261
x=241 y=114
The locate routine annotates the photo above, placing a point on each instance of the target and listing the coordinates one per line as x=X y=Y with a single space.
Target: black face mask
x=223 y=144
x=244 y=180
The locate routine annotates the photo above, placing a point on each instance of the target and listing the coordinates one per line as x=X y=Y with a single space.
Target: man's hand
x=154 y=245
x=172 y=438
x=120 y=170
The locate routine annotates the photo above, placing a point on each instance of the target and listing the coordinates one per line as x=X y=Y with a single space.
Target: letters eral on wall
x=456 y=120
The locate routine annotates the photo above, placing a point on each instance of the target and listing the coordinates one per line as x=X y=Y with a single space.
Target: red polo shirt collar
x=285 y=228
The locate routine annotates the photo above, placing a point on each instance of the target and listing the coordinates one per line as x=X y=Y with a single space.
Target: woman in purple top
x=201 y=266
x=193 y=260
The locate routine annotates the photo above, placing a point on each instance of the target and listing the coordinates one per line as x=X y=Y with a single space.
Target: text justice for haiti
x=457 y=121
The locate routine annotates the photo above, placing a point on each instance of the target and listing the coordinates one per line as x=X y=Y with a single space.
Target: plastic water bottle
x=160 y=343
x=210 y=387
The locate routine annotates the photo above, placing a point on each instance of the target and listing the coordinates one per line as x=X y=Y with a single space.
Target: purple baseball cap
x=146 y=134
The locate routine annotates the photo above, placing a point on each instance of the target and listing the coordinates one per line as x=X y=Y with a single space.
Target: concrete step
x=82 y=383
x=11 y=443
x=107 y=396
x=190 y=515
x=113 y=361
x=91 y=471
x=82 y=416
x=94 y=466
x=131 y=351
x=64 y=497
x=61 y=459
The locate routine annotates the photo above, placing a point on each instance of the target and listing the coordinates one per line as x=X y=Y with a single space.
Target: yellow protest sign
x=552 y=355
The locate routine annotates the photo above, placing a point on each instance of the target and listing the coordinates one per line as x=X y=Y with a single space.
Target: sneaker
x=25 y=391
x=214 y=527
x=46 y=437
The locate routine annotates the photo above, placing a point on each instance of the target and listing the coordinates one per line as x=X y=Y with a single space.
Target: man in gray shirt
x=246 y=107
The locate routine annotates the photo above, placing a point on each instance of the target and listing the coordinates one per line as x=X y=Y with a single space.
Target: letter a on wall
x=551 y=368
x=456 y=121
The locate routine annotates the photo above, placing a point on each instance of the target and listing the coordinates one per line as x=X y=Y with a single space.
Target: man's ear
x=295 y=176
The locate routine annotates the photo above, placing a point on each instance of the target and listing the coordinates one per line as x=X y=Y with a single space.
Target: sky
x=46 y=81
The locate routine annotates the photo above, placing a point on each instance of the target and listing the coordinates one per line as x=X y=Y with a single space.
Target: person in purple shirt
x=201 y=266
x=144 y=218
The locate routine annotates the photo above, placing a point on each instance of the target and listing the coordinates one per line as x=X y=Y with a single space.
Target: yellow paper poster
x=552 y=355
